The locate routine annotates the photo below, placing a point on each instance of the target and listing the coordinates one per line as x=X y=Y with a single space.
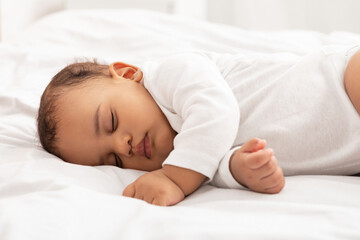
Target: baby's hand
x=257 y=168
x=155 y=188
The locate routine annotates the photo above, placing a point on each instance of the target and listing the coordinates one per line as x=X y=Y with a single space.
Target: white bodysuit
x=298 y=104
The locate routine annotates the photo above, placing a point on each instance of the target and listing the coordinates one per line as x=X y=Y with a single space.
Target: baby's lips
x=140 y=148
x=147 y=146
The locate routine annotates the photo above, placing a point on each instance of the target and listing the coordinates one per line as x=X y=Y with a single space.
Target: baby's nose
x=123 y=146
x=130 y=153
x=128 y=148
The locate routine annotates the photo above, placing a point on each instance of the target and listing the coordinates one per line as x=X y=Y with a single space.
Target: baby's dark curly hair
x=71 y=76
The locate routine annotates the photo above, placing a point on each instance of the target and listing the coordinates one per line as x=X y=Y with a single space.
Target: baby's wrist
x=235 y=169
x=187 y=180
x=168 y=176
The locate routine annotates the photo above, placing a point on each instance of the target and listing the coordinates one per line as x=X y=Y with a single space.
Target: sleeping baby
x=234 y=121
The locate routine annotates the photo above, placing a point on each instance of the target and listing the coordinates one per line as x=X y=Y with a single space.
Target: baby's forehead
x=95 y=84
x=84 y=95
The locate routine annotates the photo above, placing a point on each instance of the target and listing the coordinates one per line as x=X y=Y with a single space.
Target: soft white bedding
x=42 y=197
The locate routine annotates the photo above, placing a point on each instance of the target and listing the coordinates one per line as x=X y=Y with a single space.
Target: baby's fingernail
x=269 y=150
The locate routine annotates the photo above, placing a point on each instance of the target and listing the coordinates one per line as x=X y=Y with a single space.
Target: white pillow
x=16 y=15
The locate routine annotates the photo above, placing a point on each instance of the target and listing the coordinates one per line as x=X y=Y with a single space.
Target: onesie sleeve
x=190 y=87
x=223 y=177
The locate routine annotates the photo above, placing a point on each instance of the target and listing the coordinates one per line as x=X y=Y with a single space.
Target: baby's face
x=113 y=122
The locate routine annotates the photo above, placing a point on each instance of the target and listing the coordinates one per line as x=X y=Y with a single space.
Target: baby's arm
x=202 y=109
x=166 y=186
x=352 y=80
x=256 y=168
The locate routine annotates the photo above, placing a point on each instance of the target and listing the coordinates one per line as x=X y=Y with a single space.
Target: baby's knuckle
x=254 y=161
x=277 y=174
x=274 y=178
x=273 y=181
x=270 y=166
x=275 y=190
x=279 y=187
x=274 y=161
x=280 y=173
x=161 y=192
x=253 y=140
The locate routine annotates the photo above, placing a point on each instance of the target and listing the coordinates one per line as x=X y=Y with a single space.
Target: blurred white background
x=318 y=15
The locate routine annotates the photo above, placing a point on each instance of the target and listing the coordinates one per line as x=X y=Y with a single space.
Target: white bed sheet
x=42 y=197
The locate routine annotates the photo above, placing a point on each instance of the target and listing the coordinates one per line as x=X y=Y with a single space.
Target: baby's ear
x=120 y=70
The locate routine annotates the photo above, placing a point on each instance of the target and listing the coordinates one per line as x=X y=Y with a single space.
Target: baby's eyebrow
x=96 y=120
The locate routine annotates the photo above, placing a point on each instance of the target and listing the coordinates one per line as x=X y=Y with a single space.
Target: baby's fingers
x=253 y=145
x=159 y=202
x=129 y=191
x=275 y=182
x=258 y=159
x=148 y=199
x=268 y=168
x=277 y=188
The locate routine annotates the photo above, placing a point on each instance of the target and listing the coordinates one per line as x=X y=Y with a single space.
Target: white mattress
x=42 y=197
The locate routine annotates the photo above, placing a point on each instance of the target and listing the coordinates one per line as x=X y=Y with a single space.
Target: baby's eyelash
x=112 y=121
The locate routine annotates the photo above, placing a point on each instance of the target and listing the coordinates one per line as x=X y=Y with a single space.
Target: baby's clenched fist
x=257 y=168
